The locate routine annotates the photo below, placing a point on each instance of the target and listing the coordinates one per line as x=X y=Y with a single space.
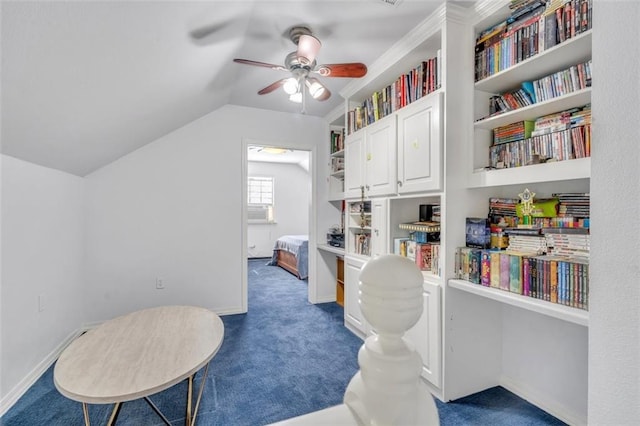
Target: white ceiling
x=85 y=83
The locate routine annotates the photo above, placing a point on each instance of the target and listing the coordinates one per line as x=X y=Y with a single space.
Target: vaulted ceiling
x=84 y=83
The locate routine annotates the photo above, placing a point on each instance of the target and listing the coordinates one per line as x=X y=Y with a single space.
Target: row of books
x=531 y=29
x=562 y=120
x=572 y=213
x=572 y=79
x=573 y=204
x=577 y=77
x=426 y=255
x=337 y=141
x=571 y=245
x=557 y=146
x=556 y=279
x=513 y=132
x=407 y=88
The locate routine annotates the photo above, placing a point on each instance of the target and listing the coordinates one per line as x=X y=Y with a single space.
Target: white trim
x=312 y=150
x=542 y=401
x=23 y=386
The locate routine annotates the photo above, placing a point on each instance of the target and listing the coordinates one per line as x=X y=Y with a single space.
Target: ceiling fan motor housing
x=296 y=32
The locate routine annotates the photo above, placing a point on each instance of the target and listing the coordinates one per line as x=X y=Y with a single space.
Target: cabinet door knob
x=399 y=183
x=367 y=187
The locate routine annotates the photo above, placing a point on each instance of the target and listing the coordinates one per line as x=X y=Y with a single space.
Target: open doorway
x=278 y=203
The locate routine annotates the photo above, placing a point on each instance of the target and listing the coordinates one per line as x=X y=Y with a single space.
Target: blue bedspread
x=298 y=245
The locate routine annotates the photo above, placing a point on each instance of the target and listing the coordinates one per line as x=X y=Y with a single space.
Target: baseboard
x=542 y=401
x=327 y=299
x=23 y=386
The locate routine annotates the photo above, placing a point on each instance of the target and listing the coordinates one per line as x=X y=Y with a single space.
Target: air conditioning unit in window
x=260 y=214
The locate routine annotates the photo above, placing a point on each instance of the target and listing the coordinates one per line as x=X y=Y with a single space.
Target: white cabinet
x=380 y=158
x=379 y=228
x=420 y=145
x=354 y=165
x=370 y=160
x=353 y=318
x=425 y=335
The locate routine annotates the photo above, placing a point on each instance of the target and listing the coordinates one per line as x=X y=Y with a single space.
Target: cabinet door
x=353 y=159
x=425 y=335
x=379 y=234
x=420 y=146
x=380 y=157
x=352 y=314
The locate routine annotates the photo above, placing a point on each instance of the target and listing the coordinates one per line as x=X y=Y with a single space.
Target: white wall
x=42 y=254
x=172 y=210
x=292 y=206
x=614 y=309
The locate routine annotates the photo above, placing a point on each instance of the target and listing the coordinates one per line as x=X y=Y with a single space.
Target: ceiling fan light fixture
x=308 y=48
x=274 y=150
x=291 y=86
x=316 y=90
x=296 y=97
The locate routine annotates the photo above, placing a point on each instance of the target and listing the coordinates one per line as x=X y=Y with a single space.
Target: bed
x=291 y=252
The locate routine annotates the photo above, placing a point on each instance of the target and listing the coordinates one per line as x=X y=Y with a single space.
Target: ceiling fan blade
x=260 y=64
x=273 y=86
x=308 y=48
x=354 y=69
x=317 y=90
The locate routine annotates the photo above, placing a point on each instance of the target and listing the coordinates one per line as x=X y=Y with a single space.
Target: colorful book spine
x=526 y=276
x=504 y=271
x=515 y=273
x=495 y=269
x=485 y=268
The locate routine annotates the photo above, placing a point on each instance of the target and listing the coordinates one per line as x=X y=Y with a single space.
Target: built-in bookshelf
x=407 y=88
x=471 y=330
x=508 y=329
x=555 y=61
x=336 y=159
x=359 y=228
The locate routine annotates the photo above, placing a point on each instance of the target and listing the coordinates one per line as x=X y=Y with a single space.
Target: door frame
x=311 y=149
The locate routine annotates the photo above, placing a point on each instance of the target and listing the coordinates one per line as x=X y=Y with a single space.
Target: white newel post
x=388 y=390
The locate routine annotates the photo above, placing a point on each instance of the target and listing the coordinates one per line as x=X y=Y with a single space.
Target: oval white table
x=140 y=354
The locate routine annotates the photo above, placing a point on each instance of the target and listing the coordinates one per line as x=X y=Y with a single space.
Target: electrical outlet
x=159 y=283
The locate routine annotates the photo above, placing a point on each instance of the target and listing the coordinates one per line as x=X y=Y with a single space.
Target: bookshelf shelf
x=331 y=249
x=579 y=168
x=561 y=312
x=338 y=174
x=561 y=56
x=571 y=100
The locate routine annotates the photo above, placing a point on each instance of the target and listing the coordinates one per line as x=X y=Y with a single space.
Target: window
x=260 y=200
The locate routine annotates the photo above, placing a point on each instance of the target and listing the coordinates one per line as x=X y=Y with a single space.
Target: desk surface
x=138 y=354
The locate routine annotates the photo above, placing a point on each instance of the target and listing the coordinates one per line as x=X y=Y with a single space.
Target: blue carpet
x=284 y=358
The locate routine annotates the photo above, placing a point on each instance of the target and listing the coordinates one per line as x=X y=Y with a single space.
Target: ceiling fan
x=303 y=66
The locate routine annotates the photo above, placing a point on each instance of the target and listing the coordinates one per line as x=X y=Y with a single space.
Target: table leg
x=189 y=396
x=157 y=411
x=192 y=412
x=85 y=413
x=114 y=414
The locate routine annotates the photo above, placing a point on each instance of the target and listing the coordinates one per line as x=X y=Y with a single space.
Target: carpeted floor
x=285 y=357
